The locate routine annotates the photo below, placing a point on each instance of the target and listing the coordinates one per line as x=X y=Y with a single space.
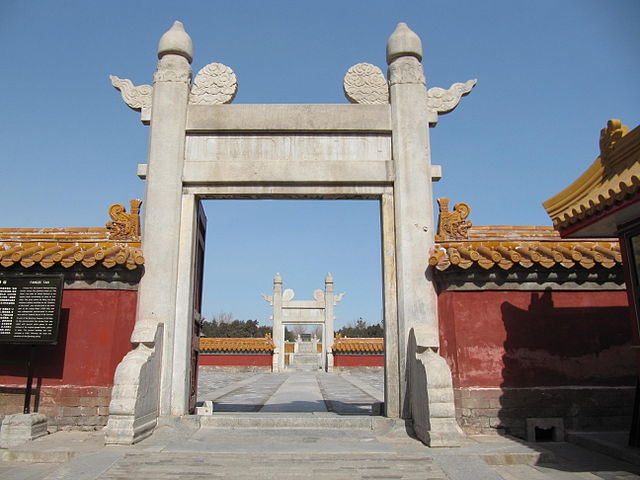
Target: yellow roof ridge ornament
x=123 y=225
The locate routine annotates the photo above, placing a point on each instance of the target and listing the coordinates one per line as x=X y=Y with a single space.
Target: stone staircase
x=304 y=362
x=306 y=359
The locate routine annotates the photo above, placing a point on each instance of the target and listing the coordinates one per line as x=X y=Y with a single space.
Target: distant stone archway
x=287 y=311
x=200 y=147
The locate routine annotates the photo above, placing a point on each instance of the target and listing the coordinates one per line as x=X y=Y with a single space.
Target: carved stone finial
x=176 y=41
x=444 y=101
x=453 y=225
x=136 y=97
x=403 y=42
x=328 y=278
x=365 y=83
x=124 y=225
x=215 y=84
x=610 y=135
x=277 y=278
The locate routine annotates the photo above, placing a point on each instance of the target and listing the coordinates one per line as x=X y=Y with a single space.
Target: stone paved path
x=291 y=392
x=191 y=448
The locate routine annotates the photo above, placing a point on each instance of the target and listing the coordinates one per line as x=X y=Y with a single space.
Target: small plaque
x=30 y=308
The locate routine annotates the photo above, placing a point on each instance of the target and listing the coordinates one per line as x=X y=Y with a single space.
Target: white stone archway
x=201 y=147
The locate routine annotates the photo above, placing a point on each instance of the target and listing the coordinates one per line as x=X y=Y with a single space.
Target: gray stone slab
x=299 y=393
x=343 y=396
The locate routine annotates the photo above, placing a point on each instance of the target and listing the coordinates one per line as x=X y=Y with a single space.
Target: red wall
x=95 y=331
x=235 y=360
x=544 y=338
x=358 y=360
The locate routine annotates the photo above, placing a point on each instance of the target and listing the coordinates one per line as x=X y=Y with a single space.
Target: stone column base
x=134 y=407
x=432 y=401
x=20 y=428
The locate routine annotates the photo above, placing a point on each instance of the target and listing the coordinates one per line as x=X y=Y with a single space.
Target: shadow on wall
x=565 y=367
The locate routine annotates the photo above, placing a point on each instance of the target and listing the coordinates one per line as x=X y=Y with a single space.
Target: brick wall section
x=488 y=410
x=525 y=354
x=239 y=360
x=67 y=407
x=73 y=379
x=355 y=361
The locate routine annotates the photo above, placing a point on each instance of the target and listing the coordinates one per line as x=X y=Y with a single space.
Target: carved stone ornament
x=365 y=83
x=288 y=295
x=406 y=70
x=124 y=225
x=453 y=225
x=609 y=136
x=444 y=101
x=182 y=76
x=137 y=97
x=214 y=84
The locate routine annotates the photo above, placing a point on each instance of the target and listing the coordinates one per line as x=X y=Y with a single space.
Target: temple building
x=534 y=327
x=605 y=201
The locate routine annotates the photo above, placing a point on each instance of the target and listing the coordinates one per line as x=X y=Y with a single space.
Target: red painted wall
x=235 y=360
x=358 y=360
x=95 y=331
x=543 y=338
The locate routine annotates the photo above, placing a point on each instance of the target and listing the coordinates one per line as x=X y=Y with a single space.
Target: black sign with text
x=30 y=308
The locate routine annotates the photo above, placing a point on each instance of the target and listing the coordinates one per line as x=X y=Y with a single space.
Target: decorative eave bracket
x=215 y=84
x=365 y=83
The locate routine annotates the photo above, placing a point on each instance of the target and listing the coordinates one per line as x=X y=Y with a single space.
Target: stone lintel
x=290 y=171
x=289 y=118
x=274 y=190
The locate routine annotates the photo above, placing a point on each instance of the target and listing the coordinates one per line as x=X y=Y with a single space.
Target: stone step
x=161 y=465
x=267 y=421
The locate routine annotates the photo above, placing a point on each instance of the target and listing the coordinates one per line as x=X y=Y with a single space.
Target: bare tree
x=298 y=330
x=317 y=331
x=223 y=317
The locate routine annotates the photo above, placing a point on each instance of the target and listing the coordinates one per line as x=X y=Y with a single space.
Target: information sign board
x=30 y=308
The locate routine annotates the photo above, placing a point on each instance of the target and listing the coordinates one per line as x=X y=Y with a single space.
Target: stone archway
x=287 y=311
x=202 y=147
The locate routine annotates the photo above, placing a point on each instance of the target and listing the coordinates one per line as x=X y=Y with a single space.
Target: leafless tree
x=223 y=317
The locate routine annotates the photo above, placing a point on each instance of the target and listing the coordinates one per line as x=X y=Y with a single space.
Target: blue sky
x=550 y=75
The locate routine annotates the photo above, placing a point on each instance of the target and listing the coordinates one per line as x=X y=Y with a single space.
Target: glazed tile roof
x=506 y=246
x=369 y=345
x=116 y=244
x=610 y=180
x=218 y=344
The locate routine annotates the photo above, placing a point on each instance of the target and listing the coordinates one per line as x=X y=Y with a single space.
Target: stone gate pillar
x=414 y=230
x=327 y=330
x=142 y=384
x=278 y=331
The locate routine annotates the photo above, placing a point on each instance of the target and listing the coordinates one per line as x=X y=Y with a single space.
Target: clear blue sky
x=550 y=75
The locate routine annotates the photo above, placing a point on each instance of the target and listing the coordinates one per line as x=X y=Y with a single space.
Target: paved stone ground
x=351 y=394
x=183 y=449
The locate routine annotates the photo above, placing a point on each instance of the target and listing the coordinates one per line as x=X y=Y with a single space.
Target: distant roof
x=607 y=194
x=116 y=244
x=368 y=345
x=219 y=344
x=460 y=244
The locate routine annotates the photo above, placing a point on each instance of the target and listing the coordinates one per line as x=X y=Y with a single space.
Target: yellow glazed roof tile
x=220 y=344
x=611 y=179
x=116 y=244
x=508 y=246
x=369 y=345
